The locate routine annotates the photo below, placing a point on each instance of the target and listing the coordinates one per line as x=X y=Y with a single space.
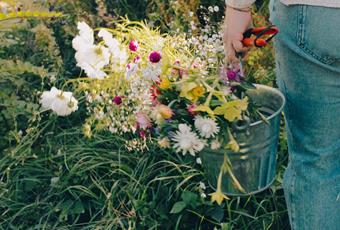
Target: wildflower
x=142 y=134
x=154 y=91
x=152 y=72
x=198 y=91
x=215 y=144
x=87 y=131
x=207 y=127
x=131 y=69
x=198 y=161
x=191 y=91
x=92 y=59
x=117 y=100
x=202 y=185
x=216 y=8
x=143 y=121
x=133 y=46
x=233 y=145
x=155 y=57
x=84 y=38
x=165 y=83
x=119 y=55
x=206 y=109
x=164 y=142
x=137 y=59
x=218 y=196
x=191 y=109
x=186 y=141
x=62 y=103
x=231 y=75
x=232 y=110
x=164 y=111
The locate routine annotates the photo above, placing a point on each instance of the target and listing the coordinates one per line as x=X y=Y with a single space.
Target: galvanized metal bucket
x=255 y=165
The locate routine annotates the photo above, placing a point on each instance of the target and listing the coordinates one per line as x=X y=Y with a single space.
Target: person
x=308 y=73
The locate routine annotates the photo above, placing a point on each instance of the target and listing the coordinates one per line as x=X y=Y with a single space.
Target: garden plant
x=84 y=146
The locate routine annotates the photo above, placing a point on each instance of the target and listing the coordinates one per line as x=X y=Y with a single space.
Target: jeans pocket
x=318 y=33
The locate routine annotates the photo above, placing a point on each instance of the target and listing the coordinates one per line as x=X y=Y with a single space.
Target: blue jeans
x=308 y=73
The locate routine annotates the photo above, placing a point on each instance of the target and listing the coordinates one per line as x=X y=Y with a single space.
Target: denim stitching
x=301 y=37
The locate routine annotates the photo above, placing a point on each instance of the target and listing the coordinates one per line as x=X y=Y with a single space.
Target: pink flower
x=117 y=100
x=155 y=57
x=133 y=46
x=137 y=59
x=143 y=121
x=191 y=109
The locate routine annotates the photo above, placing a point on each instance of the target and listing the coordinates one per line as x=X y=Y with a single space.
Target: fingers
x=239 y=47
x=232 y=47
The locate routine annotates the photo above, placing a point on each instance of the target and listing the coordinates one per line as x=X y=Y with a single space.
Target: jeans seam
x=301 y=37
x=292 y=187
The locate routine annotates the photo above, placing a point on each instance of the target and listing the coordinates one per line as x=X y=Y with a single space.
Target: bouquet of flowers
x=152 y=86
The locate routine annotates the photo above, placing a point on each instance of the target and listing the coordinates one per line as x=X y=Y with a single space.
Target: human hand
x=235 y=24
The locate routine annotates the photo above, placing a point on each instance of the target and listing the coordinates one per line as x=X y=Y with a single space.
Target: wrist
x=240 y=9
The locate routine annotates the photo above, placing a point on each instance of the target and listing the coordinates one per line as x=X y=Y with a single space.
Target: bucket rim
x=279 y=111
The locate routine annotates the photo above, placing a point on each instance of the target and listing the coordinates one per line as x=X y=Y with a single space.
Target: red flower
x=154 y=93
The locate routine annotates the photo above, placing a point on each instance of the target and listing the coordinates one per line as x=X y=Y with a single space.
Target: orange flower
x=164 y=111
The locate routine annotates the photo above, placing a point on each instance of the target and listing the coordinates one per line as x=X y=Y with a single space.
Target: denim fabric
x=308 y=73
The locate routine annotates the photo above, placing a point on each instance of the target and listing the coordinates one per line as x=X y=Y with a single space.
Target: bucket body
x=255 y=165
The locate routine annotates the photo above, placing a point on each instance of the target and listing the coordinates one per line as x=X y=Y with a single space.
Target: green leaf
x=178 y=207
x=216 y=213
x=78 y=208
x=189 y=197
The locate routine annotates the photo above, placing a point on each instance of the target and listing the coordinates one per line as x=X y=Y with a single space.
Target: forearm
x=239 y=3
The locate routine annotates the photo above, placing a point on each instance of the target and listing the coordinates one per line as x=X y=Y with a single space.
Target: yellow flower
x=233 y=145
x=198 y=91
x=206 y=109
x=164 y=111
x=192 y=91
x=87 y=131
x=232 y=110
x=164 y=142
x=218 y=196
x=165 y=83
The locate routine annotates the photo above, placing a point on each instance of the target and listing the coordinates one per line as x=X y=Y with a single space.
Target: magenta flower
x=231 y=75
x=133 y=46
x=155 y=57
x=117 y=100
x=142 y=134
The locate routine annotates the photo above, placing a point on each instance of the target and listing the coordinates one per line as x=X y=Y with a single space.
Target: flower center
x=206 y=128
x=185 y=144
x=98 y=51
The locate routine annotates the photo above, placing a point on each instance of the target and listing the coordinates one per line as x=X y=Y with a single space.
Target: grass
x=54 y=178
x=57 y=179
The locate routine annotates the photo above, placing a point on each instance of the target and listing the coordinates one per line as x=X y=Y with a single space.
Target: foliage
x=51 y=176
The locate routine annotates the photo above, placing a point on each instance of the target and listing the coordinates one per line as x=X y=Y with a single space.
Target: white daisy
x=186 y=141
x=62 y=103
x=206 y=126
